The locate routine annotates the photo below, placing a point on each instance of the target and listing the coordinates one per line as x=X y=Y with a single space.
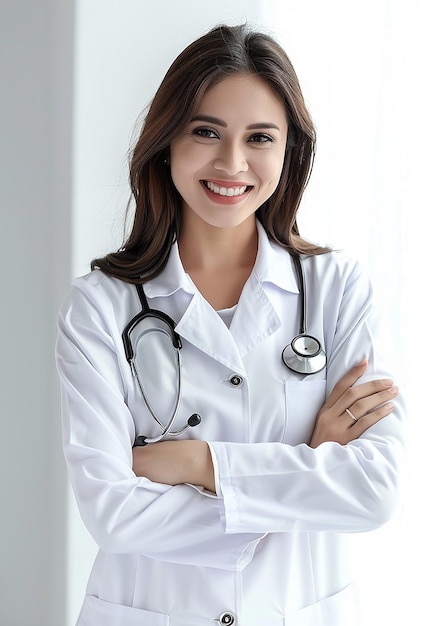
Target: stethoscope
x=304 y=355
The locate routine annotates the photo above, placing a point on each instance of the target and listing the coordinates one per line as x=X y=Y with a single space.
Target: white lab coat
x=268 y=549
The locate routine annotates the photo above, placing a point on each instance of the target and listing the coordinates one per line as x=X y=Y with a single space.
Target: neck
x=223 y=249
x=219 y=260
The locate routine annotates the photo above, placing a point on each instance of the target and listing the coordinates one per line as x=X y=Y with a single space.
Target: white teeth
x=225 y=191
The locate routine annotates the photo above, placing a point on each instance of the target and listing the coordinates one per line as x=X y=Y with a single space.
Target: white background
x=76 y=76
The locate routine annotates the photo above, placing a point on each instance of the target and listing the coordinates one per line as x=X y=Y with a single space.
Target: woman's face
x=228 y=160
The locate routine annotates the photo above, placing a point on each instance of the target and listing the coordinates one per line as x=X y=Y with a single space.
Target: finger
x=346 y=382
x=370 y=403
x=352 y=395
x=368 y=420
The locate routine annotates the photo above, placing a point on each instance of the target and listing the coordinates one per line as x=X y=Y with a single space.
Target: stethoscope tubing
x=307 y=360
x=129 y=352
x=311 y=358
x=167 y=429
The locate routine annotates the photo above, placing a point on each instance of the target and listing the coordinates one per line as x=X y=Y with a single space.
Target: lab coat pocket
x=337 y=610
x=303 y=400
x=96 y=612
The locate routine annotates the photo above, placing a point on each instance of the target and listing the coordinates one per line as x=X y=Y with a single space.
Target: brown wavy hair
x=223 y=51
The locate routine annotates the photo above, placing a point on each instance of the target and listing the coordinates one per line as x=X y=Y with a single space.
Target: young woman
x=219 y=479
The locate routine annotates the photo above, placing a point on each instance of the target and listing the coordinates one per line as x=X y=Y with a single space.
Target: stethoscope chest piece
x=304 y=355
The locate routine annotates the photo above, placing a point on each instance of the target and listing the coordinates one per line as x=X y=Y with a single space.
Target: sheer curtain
x=363 y=66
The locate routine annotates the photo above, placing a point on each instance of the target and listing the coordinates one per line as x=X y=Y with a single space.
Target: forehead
x=243 y=96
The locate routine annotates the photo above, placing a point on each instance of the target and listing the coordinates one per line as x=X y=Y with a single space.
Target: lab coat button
x=226 y=619
x=235 y=381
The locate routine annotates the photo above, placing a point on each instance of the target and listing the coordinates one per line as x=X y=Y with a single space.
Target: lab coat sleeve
x=275 y=487
x=124 y=513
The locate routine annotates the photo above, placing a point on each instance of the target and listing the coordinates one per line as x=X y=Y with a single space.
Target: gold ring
x=351 y=415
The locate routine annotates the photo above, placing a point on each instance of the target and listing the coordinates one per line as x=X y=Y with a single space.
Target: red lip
x=225 y=200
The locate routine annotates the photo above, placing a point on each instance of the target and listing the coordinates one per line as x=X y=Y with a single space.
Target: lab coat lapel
x=254 y=321
x=197 y=322
x=203 y=328
x=255 y=318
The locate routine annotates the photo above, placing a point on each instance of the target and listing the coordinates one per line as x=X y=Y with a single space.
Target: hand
x=175 y=463
x=333 y=423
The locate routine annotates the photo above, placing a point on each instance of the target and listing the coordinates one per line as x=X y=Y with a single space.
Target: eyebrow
x=215 y=120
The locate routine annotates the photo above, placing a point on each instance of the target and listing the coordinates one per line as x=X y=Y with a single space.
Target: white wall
x=35 y=170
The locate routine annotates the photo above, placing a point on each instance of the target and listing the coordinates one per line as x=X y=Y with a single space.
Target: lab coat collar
x=256 y=317
x=272 y=265
x=171 y=279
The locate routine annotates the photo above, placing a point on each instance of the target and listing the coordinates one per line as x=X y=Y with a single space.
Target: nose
x=231 y=159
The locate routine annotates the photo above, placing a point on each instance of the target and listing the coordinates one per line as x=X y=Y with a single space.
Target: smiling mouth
x=226 y=191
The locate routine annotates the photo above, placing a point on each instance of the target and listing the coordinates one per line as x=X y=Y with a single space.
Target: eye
x=205 y=133
x=261 y=138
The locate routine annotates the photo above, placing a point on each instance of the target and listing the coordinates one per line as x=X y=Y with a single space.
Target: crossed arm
x=190 y=461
